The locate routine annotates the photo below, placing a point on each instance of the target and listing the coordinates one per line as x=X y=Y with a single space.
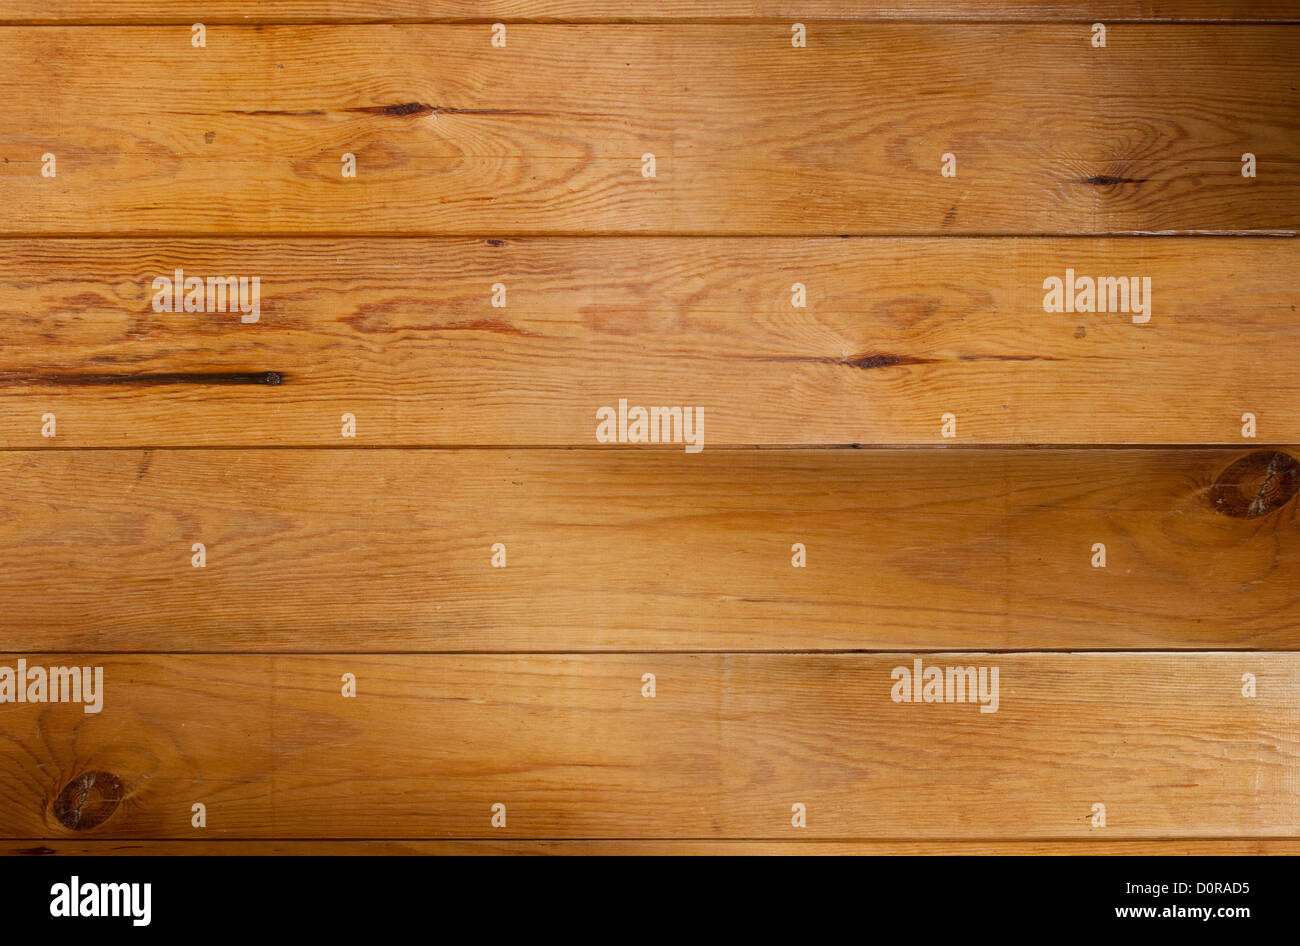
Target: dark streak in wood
x=1105 y=180
x=420 y=108
x=854 y=361
x=74 y=380
x=883 y=361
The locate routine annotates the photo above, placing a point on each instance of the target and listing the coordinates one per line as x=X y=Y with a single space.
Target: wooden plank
x=751 y=135
x=729 y=744
x=404 y=335
x=393 y=549
x=1257 y=847
x=393 y=11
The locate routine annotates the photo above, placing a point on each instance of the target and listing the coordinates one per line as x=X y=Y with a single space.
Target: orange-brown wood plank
x=1269 y=847
x=522 y=342
x=727 y=748
x=373 y=550
x=273 y=11
x=750 y=134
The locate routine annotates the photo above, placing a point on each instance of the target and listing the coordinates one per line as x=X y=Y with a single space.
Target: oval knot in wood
x=88 y=800
x=1256 y=485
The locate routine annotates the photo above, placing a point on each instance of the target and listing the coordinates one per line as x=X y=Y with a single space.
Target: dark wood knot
x=1256 y=485
x=88 y=800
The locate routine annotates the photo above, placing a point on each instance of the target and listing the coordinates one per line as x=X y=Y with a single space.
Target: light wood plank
x=573 y=750
x=393 y=550
x=750 y=134
x=403 y=334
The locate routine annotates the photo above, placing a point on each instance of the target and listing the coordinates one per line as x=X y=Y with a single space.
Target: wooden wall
x=363 y=574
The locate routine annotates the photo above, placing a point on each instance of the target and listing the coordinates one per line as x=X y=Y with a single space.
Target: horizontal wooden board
x=275 y=11
x=404 y=335
x=729 y=744
x=336 y=550
x=43 y=847
x=750 y=134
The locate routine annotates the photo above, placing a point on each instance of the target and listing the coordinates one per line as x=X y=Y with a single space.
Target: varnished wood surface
x=893 y=334
x=44 y=847
x=750 y=135
x=728 y=745
x=573 y=749
x=649 y=673
x=272 y=11
x=341 y=550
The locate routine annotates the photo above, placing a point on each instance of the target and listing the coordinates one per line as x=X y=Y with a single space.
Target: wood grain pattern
x=392 y=550
x=751 y=135
x=43 y=847
x=403 y=334
x=517 y=171
x=568 y=744
x=393 y=11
